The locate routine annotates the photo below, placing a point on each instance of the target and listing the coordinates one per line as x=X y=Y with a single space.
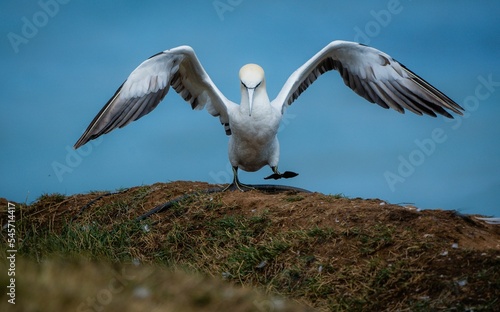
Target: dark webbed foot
x=277 y=175
x=289 y=174
x=237 y=185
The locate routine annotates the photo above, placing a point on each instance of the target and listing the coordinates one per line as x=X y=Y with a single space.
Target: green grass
x=51 y=198
x=74 y=240
x=343 y=266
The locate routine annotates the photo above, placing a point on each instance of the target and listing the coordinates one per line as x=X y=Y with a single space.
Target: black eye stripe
x=250 y=88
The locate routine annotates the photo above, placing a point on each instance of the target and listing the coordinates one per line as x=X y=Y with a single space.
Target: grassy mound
x=250 y=251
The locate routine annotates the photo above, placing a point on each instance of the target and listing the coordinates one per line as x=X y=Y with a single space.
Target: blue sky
x=62 y=60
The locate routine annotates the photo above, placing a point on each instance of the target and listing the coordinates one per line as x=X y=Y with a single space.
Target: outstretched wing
x=148 y=84
x=373 y=75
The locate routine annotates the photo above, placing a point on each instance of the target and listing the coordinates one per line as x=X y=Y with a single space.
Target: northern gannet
x=253 y=124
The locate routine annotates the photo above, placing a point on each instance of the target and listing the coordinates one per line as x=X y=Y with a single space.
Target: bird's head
x=252 y=79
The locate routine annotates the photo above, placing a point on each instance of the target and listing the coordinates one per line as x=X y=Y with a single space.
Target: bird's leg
x=277 y=175
x=237 y=185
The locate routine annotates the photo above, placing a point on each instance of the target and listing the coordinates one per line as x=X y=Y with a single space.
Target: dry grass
x=80 y=285
x=326 y=252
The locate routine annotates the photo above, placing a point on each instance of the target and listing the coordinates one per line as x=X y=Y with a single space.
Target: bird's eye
x=243 y=84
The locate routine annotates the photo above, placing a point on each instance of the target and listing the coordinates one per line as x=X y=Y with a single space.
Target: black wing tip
x=79 y=143
x=86 y=138
x=159 y=53
x=451 y=105
x=83 y=140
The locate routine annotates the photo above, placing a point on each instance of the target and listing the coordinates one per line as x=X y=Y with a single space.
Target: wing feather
x=148 y=84
x=372 y=74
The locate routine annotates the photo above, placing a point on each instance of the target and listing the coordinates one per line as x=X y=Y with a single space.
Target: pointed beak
x=250 y=100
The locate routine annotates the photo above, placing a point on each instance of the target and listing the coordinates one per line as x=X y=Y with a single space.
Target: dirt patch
x=327 y=252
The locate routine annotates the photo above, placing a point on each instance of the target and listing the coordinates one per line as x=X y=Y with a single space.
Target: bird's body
x=253 y=124
x=253 y=142
x=254 y=146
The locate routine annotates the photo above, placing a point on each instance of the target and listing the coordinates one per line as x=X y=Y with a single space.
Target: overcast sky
x=62 y=60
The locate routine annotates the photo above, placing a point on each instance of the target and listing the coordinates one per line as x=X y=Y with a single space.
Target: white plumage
x=253 y=124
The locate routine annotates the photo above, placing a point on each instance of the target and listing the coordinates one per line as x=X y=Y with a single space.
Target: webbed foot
x=277 y=175
x=237 y=185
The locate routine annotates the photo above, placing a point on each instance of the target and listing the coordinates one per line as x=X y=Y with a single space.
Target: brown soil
x=333 y=253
